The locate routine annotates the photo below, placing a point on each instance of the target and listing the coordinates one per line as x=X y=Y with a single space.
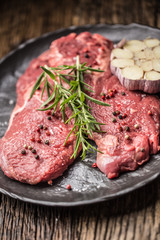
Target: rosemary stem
x=74 y=97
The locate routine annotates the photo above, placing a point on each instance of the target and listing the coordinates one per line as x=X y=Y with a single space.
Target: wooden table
x=134 y=216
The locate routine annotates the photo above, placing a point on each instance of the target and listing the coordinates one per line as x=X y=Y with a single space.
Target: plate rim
x=97 y=199
x=84 y=202
x=72 y=27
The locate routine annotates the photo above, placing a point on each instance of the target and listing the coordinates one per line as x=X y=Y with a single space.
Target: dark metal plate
x=89 y=185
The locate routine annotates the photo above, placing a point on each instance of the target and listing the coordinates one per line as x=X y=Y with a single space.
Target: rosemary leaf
x=50 y=98
x=72 y=116
x=89 y=90
x=96 y=101
x=37 y=84
x=47 y=87
x=94 y=70
x=43 y=89
x=69 y=99
x=49 y=72
x=69 y=135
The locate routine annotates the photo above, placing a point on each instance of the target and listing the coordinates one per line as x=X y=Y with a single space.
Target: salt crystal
x=11 y=101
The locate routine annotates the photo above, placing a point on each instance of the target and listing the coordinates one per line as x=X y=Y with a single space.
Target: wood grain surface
x=132 y=217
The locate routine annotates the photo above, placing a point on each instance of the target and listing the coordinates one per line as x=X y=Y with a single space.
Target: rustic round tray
x=89 y=185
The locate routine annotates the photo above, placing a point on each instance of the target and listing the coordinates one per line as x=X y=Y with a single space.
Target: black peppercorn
x=33 y=151
x=114 y=113
x=127 y=128
x=108 y=97
x=117 y=112
x=120 y=117
x=23 y=152
x=86 y=55
x=37 y=157
x=142 y=150
x=49 y=118
x=41 y=126
x=114 y=120
x=47 y=142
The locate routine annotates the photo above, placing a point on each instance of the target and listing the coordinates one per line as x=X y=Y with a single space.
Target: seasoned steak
x=131 y=130
x=132 y=122
x=124 y=145
x=32 y=149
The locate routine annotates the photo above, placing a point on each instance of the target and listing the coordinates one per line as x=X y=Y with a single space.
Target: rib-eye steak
x=32 y=149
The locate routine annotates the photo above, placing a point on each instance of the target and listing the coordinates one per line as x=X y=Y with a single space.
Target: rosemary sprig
x=74 y=97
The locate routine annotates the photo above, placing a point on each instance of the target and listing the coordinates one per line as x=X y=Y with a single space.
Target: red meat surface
x=133 y=135
x=119 y=154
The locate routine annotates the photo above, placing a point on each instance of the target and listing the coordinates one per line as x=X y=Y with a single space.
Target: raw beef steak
x=131 y=130
x=132 y=122
x=32 y=149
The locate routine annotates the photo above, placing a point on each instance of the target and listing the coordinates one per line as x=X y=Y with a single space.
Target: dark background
x=134 y=216
x=22 y=20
